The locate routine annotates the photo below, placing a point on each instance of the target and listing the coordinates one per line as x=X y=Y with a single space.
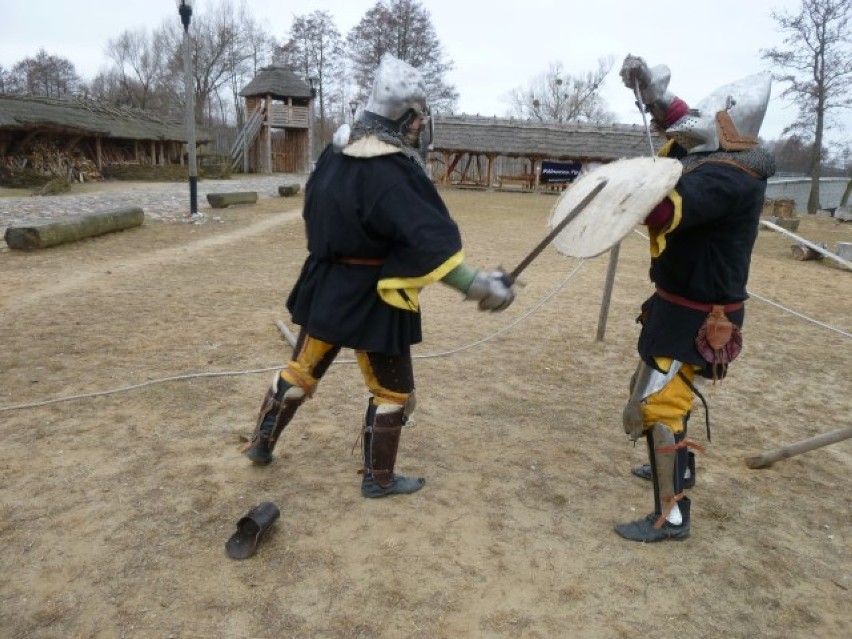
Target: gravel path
x=167 y=200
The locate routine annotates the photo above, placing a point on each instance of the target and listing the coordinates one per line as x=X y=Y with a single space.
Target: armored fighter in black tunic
x=377 y=232
x=701 y=239
x=376 y=226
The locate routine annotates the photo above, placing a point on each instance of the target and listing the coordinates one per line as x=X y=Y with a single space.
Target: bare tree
x=246 y=54
x=403 y=28
x=5 y=80
x=44 y=74
x=139 y=66
x=818 y=71
x=558 y=96
x=315 y=49
x=792 y=154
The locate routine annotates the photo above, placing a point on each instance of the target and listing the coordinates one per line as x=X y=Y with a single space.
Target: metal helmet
x=397 y=101
x=729 y=118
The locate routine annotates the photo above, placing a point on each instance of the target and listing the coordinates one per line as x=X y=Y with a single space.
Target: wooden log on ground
x=785 y=452
x=44 y=234
x=805 y=253
x=288 y=190
x=224 y=200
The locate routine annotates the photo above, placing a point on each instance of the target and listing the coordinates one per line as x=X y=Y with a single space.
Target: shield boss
x=634 y=187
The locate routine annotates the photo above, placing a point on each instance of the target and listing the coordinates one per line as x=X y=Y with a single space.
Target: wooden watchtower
x=277 y=134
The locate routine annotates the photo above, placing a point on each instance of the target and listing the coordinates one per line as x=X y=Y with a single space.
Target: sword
x=644 y=115
x=511 y=277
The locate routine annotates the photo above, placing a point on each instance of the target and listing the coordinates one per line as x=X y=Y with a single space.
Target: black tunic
x=381 y=207
x=706 y=258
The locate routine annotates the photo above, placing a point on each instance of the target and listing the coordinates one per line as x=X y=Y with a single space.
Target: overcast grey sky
x=496 y=46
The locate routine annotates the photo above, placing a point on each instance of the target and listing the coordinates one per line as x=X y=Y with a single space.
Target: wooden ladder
x=245 y=138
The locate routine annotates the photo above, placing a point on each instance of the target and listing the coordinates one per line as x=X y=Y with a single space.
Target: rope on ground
x=176 y=378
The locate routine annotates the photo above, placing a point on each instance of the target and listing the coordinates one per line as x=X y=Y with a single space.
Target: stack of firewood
x=52 y=161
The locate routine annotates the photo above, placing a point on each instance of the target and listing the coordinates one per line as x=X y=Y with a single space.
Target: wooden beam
x=99 y=154
x=816 y=247
x=768 y=458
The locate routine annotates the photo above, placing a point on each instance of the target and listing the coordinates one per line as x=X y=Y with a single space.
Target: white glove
x=491 y=290
x=653 y=81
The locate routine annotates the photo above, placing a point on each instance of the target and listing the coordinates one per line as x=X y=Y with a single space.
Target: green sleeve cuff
x=461 y=277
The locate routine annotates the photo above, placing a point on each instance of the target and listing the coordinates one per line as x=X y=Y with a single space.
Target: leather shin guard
x=281 y=402
x=382 y=431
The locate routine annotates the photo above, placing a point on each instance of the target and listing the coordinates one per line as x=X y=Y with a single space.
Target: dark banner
x=559 y=172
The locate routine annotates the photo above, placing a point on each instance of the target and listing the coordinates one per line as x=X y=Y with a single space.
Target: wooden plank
x=844 y=263
x=45 y=234
x=224 y=200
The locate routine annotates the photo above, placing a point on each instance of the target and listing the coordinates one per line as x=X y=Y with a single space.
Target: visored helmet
x=729 y=118
x=397 y=103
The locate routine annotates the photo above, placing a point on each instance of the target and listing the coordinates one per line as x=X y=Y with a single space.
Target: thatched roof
x=523 y=138
x=277 y=81
x=88 y=118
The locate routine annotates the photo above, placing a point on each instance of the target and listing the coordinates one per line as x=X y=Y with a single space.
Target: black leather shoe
x=643 y=530
x=399 y=486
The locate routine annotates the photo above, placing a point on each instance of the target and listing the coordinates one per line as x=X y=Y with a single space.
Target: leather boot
x=655 y=527
x=278 y=407
x=382 y=431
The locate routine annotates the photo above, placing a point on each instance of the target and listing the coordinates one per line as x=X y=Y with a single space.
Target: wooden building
x=78 y=138
x=277 y=135
x=496 y=152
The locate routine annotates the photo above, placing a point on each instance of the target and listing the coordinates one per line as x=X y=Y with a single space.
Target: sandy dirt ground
x=116 y=507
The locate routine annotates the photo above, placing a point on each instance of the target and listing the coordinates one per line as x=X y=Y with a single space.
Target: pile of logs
x=50 y=161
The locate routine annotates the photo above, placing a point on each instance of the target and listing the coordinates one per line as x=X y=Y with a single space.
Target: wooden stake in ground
x=785 y=452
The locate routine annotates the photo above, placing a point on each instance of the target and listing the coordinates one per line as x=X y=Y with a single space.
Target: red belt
x=361 y=261
x=698 y=306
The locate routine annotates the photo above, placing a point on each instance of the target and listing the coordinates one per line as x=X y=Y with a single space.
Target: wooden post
x=610 y=281
x=490 y=181
x=99 y=154
x=268 y=136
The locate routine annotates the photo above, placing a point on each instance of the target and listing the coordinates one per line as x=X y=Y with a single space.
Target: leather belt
x=360 y=261
x=698 y=306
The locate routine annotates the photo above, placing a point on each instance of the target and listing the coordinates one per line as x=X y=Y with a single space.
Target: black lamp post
x=353 y=107
x=185 y=11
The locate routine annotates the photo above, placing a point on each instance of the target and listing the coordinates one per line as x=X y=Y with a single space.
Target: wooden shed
x=277 y=135
x=78 y=138
x=494 y=152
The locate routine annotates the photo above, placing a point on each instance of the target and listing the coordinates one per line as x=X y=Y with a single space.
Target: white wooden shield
x=634 y=187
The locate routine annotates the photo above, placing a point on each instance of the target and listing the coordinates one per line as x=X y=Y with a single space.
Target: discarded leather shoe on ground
x=643 y=530
x=400 y=485
x=250 y=529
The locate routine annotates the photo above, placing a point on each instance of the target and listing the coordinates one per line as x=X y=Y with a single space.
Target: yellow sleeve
x=404 y=292
x=658 y=237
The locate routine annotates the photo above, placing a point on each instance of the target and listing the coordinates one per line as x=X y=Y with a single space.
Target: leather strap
x=360 y=261
x=697 y=306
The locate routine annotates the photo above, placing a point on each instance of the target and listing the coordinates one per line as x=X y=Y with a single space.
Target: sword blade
x=513 y=275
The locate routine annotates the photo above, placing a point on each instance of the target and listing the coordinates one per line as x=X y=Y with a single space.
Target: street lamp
x=353 y=107
x=185 y=11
